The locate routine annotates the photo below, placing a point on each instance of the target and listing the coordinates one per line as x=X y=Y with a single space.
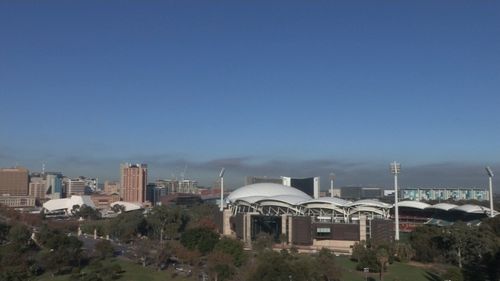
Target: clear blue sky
x=261 y=87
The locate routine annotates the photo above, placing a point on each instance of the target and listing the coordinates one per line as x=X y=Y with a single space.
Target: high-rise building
x=53 y=182
x=111 y=187
x=309 y=186
x=75 y=187
x=253 y=179
x=360 y=192
x=14 y=182
x=178 y=186
x=37 y=187
x=154 y=193
x=133 y=182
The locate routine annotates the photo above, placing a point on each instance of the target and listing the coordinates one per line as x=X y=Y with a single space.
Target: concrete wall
x=340 y=246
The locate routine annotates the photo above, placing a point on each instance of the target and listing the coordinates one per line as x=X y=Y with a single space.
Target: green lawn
x=396 y=271
x=133 y=272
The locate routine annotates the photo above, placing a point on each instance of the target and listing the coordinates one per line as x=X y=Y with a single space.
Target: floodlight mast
x=332 y=180
x=221 y=176
x=490 y=176
x=395 y=170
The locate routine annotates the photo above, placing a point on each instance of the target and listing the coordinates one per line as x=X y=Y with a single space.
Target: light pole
x=490 y=176
x=395 y=170
x=221 y=176
x=332 y=180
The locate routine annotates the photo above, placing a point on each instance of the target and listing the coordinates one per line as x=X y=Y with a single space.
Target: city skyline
x=268 y=89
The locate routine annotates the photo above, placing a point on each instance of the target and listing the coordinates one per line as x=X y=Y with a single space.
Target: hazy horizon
x=281 y=88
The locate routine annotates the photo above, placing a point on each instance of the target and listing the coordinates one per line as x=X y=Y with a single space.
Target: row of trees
x=474 y=249
x=469 y=252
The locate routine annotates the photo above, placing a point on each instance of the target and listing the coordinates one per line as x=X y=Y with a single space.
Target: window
x=323 y=232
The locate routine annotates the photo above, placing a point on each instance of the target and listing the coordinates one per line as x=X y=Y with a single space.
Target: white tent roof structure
x=414 y=204
x=129 y=206
x=66 y=204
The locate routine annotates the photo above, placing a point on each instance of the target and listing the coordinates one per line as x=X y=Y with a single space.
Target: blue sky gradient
x=262 y=87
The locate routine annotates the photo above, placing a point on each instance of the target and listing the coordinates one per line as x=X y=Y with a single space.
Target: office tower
x=37 y=187
x=309 y=186
x=14 y=181
x=75 y=187
x=111 y=187
x=53 y=182
x=133 y=182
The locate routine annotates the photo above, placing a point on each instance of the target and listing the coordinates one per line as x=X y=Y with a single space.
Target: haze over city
x=276 y=89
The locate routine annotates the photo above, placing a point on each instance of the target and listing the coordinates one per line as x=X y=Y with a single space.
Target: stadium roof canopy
x=276 y=199
x=472 y=209
x=328 y=200
x=443 y=206
x=265 y=190
x=414 y=204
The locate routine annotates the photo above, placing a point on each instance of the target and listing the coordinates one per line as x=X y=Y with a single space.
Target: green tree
x=382 y=259
x=326 y=266
x=166 y=222
x=127 y=226
x=4 y=232
x=20 y=235
x=262 y=242
x=234 y=248
x=104 y=249
x=404 y=252
x=88 y=213
x=117 y=208
x=426 y=240
x=220 y=265
x=453 y=274
x=202 y=239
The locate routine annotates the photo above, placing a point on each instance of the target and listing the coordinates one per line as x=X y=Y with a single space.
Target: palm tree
x=382 y=258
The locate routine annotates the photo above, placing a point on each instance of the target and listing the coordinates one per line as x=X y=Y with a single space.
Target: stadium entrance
x=266 y=224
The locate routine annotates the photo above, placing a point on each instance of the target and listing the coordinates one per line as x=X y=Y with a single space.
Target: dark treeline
x=166 y=237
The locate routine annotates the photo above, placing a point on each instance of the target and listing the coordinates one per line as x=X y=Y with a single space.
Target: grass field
x=396 y=271
x=132 y=272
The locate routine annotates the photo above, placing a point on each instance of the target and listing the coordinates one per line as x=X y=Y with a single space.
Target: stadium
x=294 y=217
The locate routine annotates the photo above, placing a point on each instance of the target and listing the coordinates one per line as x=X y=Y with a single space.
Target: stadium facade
x=294 y=217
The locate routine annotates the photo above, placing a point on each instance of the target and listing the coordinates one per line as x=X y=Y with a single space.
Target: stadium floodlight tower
x=395 y=170
x=332 y=180
x=490 y=176
x=221 y=176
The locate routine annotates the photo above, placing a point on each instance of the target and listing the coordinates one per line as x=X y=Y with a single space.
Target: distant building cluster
x=21 y=189
x=442 y=194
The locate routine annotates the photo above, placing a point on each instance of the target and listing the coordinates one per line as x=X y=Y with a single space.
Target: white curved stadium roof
x=443 y=206
x=127 y=205
x=288 y=199
x=250 y=199
x=328 y=200
x=414 y=204
x=468 y=208
x=66 y=204
x=370 y=202
x=266 y=190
